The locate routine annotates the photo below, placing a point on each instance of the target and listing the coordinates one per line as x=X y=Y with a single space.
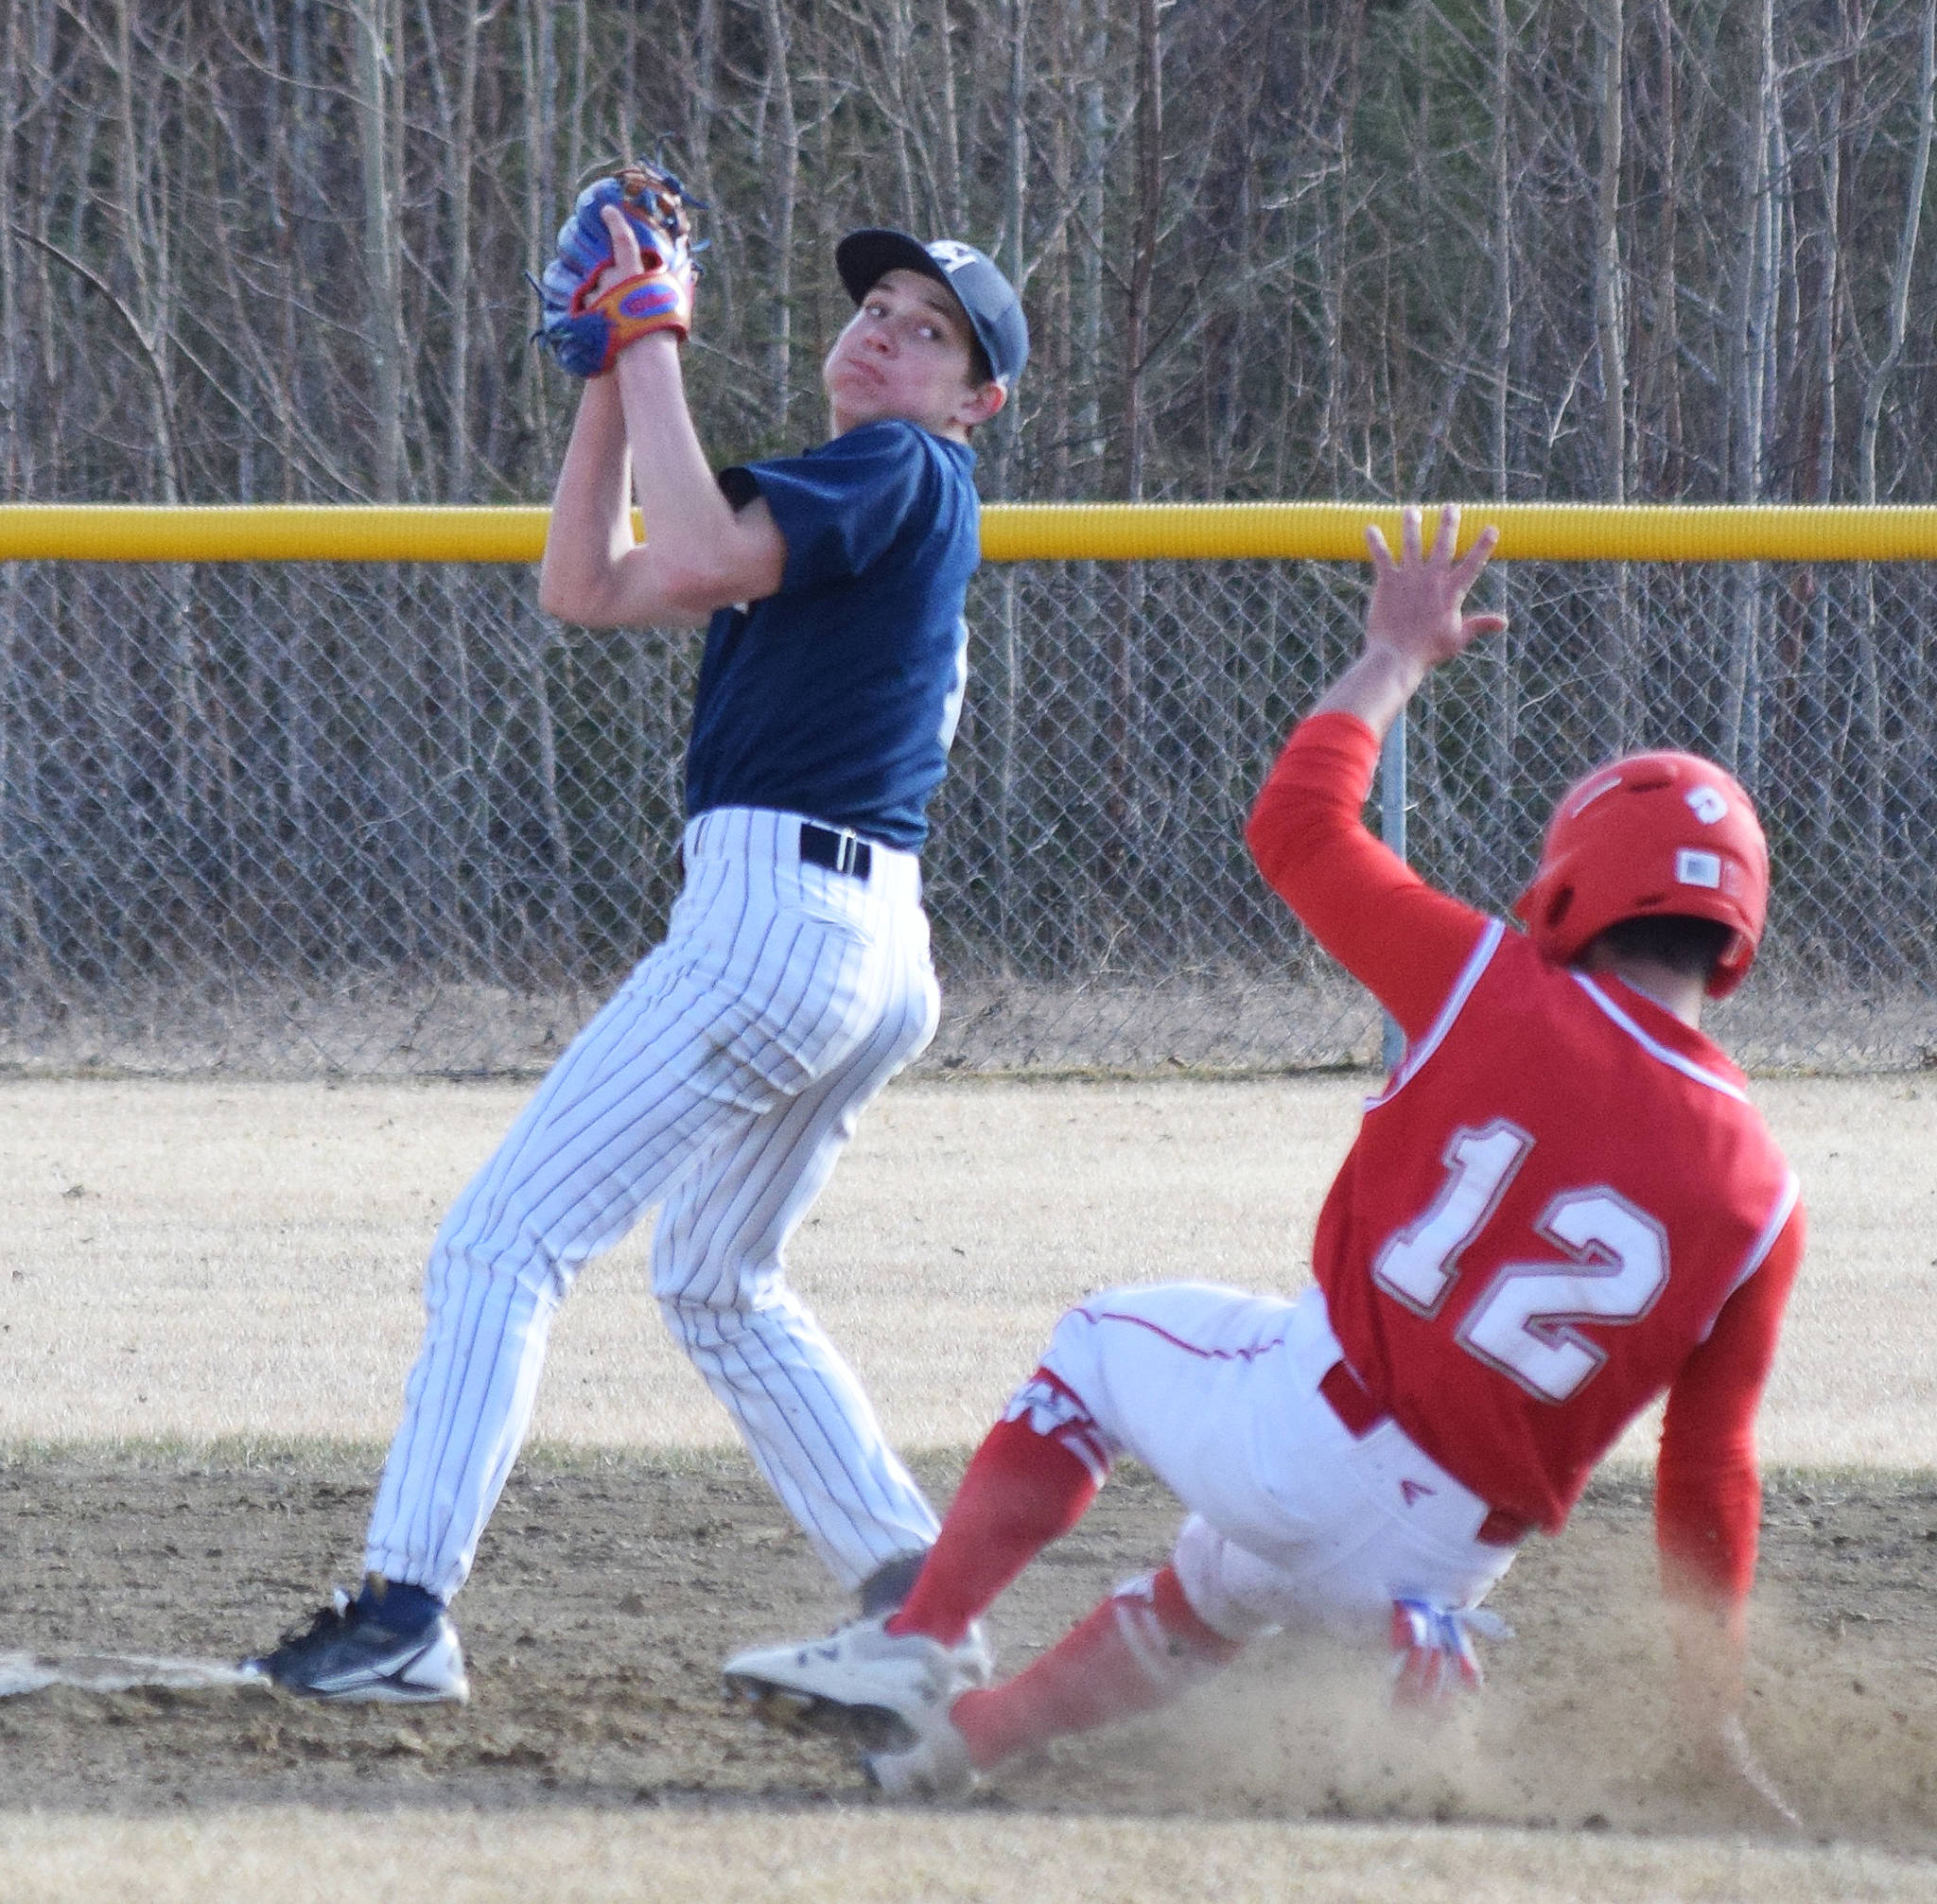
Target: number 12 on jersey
x=1523 y=1324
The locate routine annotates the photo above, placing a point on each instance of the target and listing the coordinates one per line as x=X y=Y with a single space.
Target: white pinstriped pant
x=720 y=1082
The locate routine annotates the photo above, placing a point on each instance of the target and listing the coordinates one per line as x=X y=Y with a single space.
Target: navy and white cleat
x=348 y=1655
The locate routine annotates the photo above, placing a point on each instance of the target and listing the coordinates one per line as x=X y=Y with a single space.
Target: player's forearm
x=1706 y=1528
x=1706 y=1516
x=1711 y=1648
x=1707 y=1486
x=697 y=554
x=590 y=533
x=1313 y=796
x=700 y=553
x=1708 y=1507
x=1374 y=689
x=1362 y=904
x=672 y=476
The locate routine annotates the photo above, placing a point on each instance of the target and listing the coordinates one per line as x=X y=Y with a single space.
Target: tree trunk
x=1610 y=97
x=1876 y=389
x=1149 y=212
x=1753 y=340
x=783 y=178
x=376 y=81
x=1093 y=161
x=948 y=138
x=1504 y=726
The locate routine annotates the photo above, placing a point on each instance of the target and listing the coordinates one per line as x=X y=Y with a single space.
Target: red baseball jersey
x=1562 y=1204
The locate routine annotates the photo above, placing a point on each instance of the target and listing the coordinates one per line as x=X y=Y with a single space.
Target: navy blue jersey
x=837 y=696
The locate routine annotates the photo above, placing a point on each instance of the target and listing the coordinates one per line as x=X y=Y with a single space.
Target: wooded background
x=393 y=818
x=258 y=250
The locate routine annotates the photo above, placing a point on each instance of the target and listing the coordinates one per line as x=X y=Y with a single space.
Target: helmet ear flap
x=1544 y=902
x=1732 y=968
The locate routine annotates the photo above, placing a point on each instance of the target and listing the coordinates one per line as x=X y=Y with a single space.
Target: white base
x=116 y=1672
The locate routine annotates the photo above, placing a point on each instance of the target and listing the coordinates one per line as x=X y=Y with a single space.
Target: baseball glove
x=586 y=332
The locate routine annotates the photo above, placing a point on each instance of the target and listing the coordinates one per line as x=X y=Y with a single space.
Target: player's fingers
x=1409 y=521
x=1446 y=536
x=1377 y=550
x=1472 y=626
x=1467 y=572
x=625 y=241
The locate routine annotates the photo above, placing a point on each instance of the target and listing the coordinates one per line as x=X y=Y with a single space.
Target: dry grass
x=187 y=1260
x=868 y=1856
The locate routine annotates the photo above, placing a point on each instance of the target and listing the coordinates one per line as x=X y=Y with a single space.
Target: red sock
x=1022 y=1490
x=1139 y=1649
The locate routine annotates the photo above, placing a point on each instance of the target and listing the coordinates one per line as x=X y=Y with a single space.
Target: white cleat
x=890 y=1693
x=974 y=1657
x=936 y=1766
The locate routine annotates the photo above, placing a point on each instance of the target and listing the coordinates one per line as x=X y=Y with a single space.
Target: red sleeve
x=1362 y=902
x=1707 y=1493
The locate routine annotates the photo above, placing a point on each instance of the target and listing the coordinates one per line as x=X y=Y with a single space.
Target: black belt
x=1352 y=1403
x=837 y=850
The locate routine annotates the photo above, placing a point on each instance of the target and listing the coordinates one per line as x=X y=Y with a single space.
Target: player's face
x=906 y=355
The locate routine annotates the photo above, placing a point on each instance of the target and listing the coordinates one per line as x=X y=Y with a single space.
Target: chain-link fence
x=303 y=818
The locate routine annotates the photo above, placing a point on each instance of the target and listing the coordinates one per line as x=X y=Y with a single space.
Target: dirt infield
x=606 y=1594
x=234 y=1271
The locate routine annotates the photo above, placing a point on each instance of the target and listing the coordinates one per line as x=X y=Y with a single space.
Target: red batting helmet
x=1650 y=833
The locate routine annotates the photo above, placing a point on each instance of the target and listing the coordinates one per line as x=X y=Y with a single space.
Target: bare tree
x=378 y=119
x=1877 y=385
x=781 y=170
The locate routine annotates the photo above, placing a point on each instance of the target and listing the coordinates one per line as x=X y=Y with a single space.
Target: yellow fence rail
x=1066 y=532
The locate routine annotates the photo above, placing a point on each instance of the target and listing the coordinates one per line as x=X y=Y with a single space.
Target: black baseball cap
x=987 y=299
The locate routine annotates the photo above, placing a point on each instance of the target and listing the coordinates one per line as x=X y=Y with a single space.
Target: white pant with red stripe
x=1294 y=1521
x=721 y=1082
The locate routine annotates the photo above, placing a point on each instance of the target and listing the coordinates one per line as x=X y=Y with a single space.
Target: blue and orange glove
x=586 y=329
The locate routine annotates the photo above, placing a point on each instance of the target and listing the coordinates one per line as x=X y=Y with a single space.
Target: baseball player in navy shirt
x=722 y=1080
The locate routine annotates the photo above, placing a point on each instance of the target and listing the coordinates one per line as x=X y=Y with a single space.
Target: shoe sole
x=872 y=1728
x=378 y=1693
x=382 y=1695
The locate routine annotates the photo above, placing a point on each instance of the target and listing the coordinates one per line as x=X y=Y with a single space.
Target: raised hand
x=1416 y=619
x=1418 y=599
